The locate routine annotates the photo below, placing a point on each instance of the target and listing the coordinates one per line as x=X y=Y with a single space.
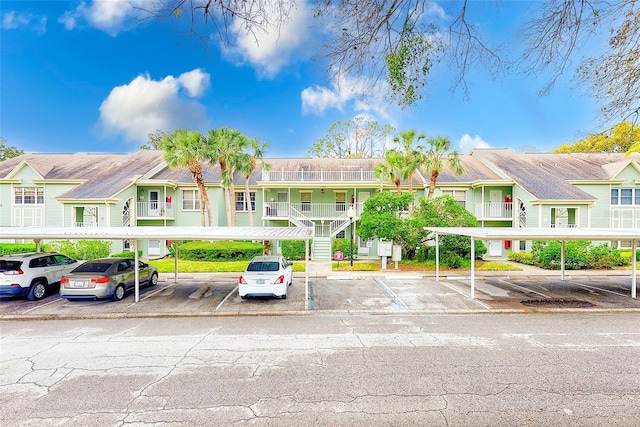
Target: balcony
x=494 y=210
x=320 y=176
x=154 y=210
x=312 y=211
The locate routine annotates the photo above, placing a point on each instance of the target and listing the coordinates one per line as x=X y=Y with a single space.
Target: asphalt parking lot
x=209 y=294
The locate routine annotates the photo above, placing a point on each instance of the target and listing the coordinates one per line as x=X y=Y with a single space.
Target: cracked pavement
x=324 y=370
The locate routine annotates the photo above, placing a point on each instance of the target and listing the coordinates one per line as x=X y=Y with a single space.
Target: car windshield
x=8 y=265
x=263 y=266
x=92 y=267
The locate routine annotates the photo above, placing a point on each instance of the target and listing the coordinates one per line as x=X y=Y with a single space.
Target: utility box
x=385 y=249
x=397 y=253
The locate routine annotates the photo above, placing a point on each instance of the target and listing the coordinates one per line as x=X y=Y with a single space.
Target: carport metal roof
x=135 y=233
x=559 y=234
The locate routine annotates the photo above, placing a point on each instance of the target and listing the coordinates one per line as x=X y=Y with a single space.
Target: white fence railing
x=495 y=210
x=154 y=209
x=321 y=175
x=310 y=210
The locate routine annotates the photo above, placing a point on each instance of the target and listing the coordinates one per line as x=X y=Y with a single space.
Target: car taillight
x=280 y=279
x=100 y=280
x=12 y=272
x=241 y=280
x=64 y=280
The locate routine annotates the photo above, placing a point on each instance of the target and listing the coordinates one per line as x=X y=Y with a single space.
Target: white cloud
x=144 y=105
x=110 y=16
x=23 y=20
x=270 y=50
x=468 y=143
x=361 y=95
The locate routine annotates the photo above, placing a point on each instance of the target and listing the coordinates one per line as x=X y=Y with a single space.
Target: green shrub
x=20 y=248
x=219 y=250
x=293 y=249
x=451 y=259
x=526 y=258
x=126 y=254
x=82 y=249
x=344 y=246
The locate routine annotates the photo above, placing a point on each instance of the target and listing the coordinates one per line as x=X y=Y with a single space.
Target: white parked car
x=33 y=274
x=266 y=276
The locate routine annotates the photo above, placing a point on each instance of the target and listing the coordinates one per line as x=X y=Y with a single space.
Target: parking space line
x=226 y=298
x=476 y=300
x=398 y=302
x=42 y=305
x=523 y=288
x=312 y=304
x=599 y=289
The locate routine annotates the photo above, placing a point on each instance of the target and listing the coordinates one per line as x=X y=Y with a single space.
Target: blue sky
x=84 y=77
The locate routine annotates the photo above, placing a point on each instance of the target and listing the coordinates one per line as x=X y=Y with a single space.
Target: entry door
x=495 y=203
x=283 y=204
x=154 y=206
x=495 y=248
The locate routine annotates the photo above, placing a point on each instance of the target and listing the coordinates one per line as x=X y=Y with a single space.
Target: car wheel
x=119 y=293
x=243 y=296
x=154 y=279
x=38 y=291
x=284 y=296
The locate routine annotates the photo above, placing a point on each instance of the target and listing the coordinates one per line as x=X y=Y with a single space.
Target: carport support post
x=306 y=274
x=473 y=268
x=437 y=259
x=562 y=248
x=634 y=273
x=37 y=245
x=136 y=276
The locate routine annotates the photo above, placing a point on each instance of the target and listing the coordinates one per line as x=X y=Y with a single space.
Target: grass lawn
x=166 y=265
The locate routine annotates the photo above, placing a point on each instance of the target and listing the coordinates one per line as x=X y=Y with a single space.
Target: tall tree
x=437 y=154
x=617 y=140
x=155 y=140
x=357 y=138
x=186 y=149
x=8 y=152
x=227 y=147
x=247 y=164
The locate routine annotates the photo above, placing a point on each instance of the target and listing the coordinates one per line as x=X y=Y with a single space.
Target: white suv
x=32 y=274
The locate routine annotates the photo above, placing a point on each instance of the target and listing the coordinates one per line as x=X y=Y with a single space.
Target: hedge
x=219 y=250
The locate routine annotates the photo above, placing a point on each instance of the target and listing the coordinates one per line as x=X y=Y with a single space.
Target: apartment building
x=500 y=187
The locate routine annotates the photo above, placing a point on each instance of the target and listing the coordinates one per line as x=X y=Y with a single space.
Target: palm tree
x=226 y=147
x=392 y=169
x=186 y=149
x=247 y=165
x=435 y=157
x=413 y=156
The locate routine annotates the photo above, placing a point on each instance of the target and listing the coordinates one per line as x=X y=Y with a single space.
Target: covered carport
x=561 y=235
x=134 y=234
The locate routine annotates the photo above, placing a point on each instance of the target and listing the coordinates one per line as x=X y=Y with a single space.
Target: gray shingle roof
x=105 y=175
x=547 y=175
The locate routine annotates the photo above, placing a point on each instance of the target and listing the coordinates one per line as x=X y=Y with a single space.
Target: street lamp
x=351 y=213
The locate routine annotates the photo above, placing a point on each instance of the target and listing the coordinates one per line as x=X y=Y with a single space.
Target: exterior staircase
x=321 y=249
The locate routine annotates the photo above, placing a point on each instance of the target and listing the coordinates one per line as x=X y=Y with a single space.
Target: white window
x=625 y=196
x=341 y=201
x=190 y=200
x=29 y=196
x=241 y=204
x=305 y=201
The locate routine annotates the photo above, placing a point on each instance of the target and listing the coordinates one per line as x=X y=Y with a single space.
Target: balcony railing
x=309 y=210
x=494 y=210
x=321 y=175
x=154 y=210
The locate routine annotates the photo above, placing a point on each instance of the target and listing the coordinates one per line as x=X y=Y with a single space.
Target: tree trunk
x=432 y=184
